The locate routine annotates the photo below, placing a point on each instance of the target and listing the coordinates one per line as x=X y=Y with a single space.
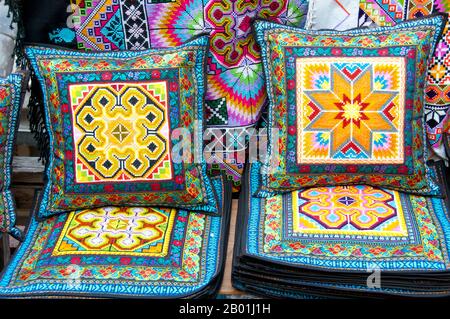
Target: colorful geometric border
x=62 y=240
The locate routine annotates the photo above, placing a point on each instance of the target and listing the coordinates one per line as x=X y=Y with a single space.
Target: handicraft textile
x=348 y=106
x=315 y=237
x=235 y=91
x=111 y=119
x=12 y=90
x=391 y=12
x=340 y=14
x=123 y=252
x=386 y=13
x=47 y=26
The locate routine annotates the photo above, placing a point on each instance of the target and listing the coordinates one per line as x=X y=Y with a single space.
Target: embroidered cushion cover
x=111 y=117
x=333 y=235
x=382 y=13
x=7 y=41
x=348 y=106
x=11 y=98
x=349 y=14
x=236 y=89
x=122 y=251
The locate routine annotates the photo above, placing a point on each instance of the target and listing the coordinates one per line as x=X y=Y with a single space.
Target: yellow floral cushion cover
x=110 y=117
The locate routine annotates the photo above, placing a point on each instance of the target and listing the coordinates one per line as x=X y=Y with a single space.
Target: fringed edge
x=15 y=11
x=36 y=116
x=36 y=108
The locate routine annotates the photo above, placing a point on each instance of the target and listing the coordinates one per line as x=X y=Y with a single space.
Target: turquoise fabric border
x=261 y=27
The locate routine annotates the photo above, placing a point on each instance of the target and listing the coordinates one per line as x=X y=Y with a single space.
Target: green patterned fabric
x=11 y=98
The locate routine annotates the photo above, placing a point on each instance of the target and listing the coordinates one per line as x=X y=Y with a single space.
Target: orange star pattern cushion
x=356 y=111
x=347 y=107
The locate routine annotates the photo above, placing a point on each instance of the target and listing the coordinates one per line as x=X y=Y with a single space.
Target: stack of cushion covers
x=122 y=212
x=12 y=91
x=276 y=255
x=345 y=204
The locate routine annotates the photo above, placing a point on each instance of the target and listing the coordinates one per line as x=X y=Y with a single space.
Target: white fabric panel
x=332 y=14
x=7 y=42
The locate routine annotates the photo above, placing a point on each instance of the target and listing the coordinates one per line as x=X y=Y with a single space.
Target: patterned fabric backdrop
x=236 y=92
x=390 y=12
x=346 y=15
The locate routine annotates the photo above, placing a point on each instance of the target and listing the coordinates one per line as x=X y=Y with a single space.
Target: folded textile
x=122 y=252
x=348 y=241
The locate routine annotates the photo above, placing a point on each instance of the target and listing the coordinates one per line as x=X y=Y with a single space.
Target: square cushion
x=115 y=121
x=12 y=91
x=332 y=237
x=348 y=14
x=235 y=84
x=437 y=91
x=347 y=107
x=122 y=252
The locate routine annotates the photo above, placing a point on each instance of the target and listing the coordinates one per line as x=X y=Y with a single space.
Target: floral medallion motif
x=356 y=210
x=121 y=131
x=115 y=231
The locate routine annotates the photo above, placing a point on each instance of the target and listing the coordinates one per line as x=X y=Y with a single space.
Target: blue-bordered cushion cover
x=111 y=119
x=348 y=106
x=169 y=253
x=11 y=98
x=347 y=229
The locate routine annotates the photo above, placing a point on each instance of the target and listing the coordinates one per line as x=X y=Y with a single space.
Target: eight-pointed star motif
x=352 y=110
